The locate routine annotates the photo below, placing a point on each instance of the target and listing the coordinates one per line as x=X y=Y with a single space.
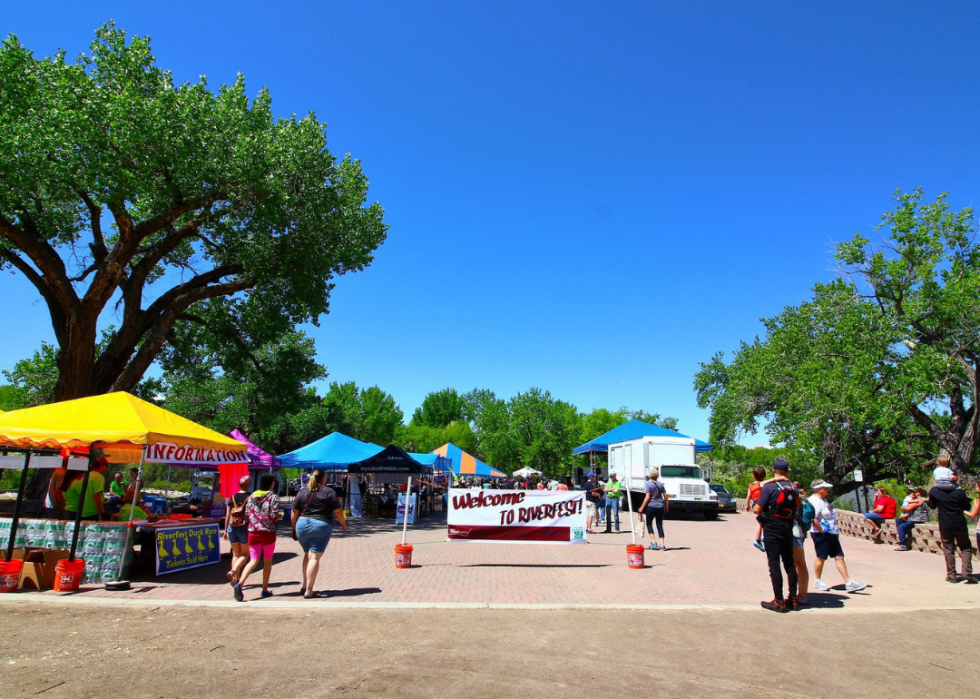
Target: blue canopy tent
x=336 y=451
x=463 y=464
x=634 y=429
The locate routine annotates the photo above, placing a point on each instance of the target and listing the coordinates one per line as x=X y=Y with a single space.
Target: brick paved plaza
x=708 y=564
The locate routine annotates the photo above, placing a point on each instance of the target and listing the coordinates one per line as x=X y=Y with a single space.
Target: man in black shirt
x=952 y=502
x=776 y=509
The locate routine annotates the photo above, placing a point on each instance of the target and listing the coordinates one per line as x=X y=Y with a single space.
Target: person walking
x=262 y=510
x=802 y=524
x=947 y=497
x=915 y=510
x=236 y=528
x=776 y=510
x=655 y=505
x=825 y=533
x=613 y=487
x=592 y=493
x=314 y=510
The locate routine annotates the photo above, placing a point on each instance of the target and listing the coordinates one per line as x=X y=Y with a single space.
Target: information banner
x=181 y=548
x=517 y=516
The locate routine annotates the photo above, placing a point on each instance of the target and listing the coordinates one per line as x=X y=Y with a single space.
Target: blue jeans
x=313 y=534
x=903 y=527
x=600 y=509
x=612 y=512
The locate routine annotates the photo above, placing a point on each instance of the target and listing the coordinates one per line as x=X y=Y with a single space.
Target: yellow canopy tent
x=123 y=427
x=119 y=427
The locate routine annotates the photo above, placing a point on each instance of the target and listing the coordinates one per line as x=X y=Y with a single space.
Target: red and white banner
x=517 y=516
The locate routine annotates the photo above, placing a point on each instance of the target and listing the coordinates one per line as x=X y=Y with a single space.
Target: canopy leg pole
x=408 y=502
x=166 y=491
x=17 y=505
x=120 y=584
x=81 y=506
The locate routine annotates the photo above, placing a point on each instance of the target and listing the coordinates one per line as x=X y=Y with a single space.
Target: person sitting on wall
x=914 y=511
x=885 y=508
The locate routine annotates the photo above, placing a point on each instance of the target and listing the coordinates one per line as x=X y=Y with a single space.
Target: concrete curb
x=68 y=599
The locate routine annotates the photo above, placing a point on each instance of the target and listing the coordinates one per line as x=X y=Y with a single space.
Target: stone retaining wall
x=923 y=537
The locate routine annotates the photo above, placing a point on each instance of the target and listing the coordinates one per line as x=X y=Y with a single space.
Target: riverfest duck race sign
x=517 y=516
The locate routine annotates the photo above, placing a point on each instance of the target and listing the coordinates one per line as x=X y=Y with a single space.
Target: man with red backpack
x=777 y=510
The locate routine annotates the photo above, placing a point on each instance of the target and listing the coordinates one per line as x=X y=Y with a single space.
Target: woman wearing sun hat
x=825 y=533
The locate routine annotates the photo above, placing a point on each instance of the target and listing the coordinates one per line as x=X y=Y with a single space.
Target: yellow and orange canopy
x=123 y=426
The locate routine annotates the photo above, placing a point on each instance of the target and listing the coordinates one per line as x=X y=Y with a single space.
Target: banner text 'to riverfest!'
x=517 y=516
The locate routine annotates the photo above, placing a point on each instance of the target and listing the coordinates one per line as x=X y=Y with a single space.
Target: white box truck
x=674 y=458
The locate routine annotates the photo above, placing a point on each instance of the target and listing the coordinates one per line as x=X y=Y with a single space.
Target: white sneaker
x=854 y=586
x=819 y=584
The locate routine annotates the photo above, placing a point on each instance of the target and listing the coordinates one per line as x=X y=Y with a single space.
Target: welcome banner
x=517 y=516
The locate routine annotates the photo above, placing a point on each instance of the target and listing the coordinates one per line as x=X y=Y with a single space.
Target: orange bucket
x=10 y=574
x=68 y=575
x=634 y=554
x=403 y=556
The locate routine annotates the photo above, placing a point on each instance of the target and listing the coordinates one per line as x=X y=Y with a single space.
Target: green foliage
x=32 y=380
x=878 y=372
x=420 y=439
x=219 y=213
x=440 y=409
x=925 y=286
x=226 y=384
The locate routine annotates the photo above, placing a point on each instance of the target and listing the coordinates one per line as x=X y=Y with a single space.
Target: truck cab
x=673 y=457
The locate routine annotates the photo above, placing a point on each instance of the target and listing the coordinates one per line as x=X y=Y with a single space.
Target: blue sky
x=589 y=198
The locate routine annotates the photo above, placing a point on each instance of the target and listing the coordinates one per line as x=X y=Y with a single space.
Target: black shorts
x=827 y=545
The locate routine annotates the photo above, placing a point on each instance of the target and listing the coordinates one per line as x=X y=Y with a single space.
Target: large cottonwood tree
x=131 y=201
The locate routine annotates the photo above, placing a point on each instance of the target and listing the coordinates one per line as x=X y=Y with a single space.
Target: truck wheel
x=711 y=515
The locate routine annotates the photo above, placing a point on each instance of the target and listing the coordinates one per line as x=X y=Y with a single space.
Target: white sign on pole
x=858 y=475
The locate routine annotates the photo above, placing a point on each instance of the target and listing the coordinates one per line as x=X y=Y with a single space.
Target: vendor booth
x=121 y=429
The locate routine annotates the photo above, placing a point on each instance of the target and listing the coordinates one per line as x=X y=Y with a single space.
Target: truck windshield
x=680 y=472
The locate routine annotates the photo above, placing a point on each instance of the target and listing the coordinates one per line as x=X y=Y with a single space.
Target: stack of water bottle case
x=102 y=545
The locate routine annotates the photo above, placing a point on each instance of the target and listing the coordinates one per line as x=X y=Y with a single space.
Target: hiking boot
x=777 y=605
x=759 y=545
x=855 y=586
x=819 y=584
x=793 y=604
x=953 y=579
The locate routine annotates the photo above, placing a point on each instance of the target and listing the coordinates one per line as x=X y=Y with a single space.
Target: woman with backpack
x=236 y=528
x=262 y=510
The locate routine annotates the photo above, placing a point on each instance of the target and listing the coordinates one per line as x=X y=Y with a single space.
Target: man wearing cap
x=951 y=502
x=776 y=509
x=592 y=493
x=825 y=533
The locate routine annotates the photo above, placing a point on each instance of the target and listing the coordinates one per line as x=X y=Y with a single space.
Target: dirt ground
x=77 y=651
